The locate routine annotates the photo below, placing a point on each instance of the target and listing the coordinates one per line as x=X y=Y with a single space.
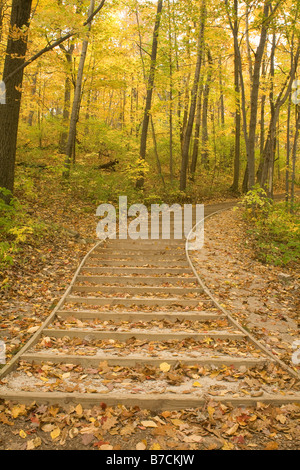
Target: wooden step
x=131 y=361
x=132 y=280
x=122 y=336
x=138 y=289
x=134 y=262
x=133 y=300
x=153 y=401
x=140 y=315
x=138 y=270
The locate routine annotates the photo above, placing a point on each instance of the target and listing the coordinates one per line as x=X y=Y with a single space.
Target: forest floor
x=262 y=298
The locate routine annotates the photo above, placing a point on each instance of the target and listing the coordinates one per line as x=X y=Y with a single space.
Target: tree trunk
x=171 y=95
x=294 y=156
x=33 y=92
x=237 y=145
x=77 y=99
x=189 y=129
x=67 y=97
x=197 y=133
x=288 y=147
x=10 y=112
x=254 y=95
x=205 y=150
x=268 y=156
x=143 y=143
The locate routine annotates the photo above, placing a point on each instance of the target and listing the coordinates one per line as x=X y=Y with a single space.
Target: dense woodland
x=162 y=101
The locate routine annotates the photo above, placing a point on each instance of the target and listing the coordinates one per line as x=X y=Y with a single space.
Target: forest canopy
x=180 y=97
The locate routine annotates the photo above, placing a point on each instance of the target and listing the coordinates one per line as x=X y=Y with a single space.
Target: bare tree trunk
x=189 y=129
x=254 y=95
x=171 y=95
x=222 y=107
x=32 y=92
x=268 y=157
x=156 y=153
x=294 y=156
x=288 y=146
x=10 y=112
x=197 y=133
x=67 y=97
x=77 y=98
x=237 y=145
x=205 y=150
x=143 y=144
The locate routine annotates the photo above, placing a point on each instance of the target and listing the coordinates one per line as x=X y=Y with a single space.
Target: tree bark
x=189 y=129
x=294 y=156
x=205 y=149
x=254 y=95
x=67 y=97
x=143 y=143
x=237 y=144
x=70 y=147
x=10 y=112
x=197 y=133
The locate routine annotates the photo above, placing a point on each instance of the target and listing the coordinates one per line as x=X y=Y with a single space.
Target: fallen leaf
x=165 y=367
x=55 y=433
x=149 y=424
x=141 y=446
x=272 y=445
x=155 y=446
x=232 y=430
x=106 y=447
x=87 y=439
x=197 y=384
x=18 y=410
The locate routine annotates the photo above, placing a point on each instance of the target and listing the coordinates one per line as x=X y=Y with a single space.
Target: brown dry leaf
x=79 y=410
x=177 y=422
x=228 y=446
x=192 y=438
x=48 y=427
x=281 y=418
x=141 y=446
x=232 y=430
x=53 y=411
x=30 y=445
x=109 y=423
x=272 y=445
x=87 y=439
x=37 y=441
x=127 y=430
x=73 y=432
x=149 y=424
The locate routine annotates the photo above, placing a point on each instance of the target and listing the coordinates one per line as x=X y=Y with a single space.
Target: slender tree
x=194 y=93
x=70 y=148
x=150 y=86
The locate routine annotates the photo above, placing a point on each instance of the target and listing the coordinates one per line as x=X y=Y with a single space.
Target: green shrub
x=275 y=231
x=15 y=227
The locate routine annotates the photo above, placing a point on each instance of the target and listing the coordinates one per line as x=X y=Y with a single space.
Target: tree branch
x=54 y=44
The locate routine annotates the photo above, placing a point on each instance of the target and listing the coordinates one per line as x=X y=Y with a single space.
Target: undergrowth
x=273 y=227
